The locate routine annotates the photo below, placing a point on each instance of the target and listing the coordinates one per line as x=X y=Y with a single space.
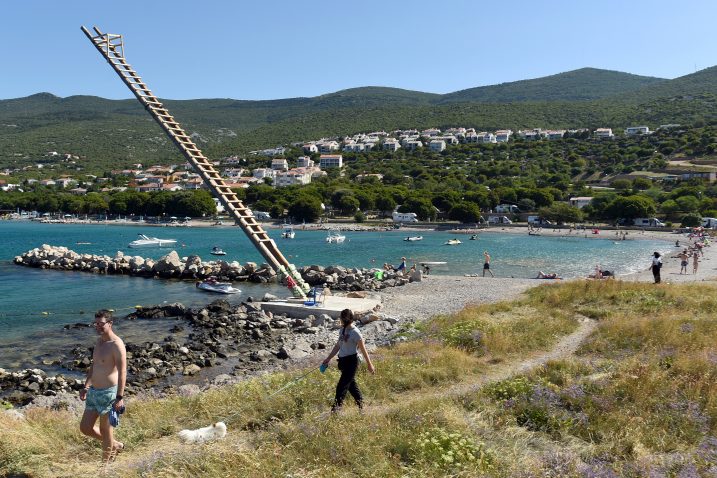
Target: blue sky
x=279 y=49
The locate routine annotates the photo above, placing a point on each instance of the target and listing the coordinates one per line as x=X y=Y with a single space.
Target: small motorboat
x=452 y=242
x=413 y=238
x=217 y=251
x=335 y=238
x=218 y=287
x=145 y=241
x=474 y=237
x=288 y=232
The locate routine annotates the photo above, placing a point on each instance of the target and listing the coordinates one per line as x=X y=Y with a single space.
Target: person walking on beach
x=683 y=256
x=486 y=264
x=349 y=343
x=695 y=262
x=104 y=386
x=656 y=266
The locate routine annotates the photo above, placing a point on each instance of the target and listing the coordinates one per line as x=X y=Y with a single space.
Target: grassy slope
x=640 y=397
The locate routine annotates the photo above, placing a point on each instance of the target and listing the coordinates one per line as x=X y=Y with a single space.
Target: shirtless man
x=486 y=264
x=104 y=385
x=683 y=256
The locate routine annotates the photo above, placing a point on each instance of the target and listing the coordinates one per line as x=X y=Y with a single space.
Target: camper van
x=507 y=208
x=709 y=222
x=499 y=220
x=262 y=215
x=538 y=221
x=648 y=222
x=404 y=217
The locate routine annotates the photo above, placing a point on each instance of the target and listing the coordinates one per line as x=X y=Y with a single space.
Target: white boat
x=413 y=238
x=145 y=241
x=452 y=242
x=474 y=237
x=288 y=232
x=218 y=287
x=335 y=238
x=217 y=251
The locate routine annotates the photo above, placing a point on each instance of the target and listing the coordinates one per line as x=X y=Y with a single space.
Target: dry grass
x=640 y=398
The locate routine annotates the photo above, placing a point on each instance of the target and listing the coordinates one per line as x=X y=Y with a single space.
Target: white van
x=499 y=220
x=404 y=216
x=538 y=221
x=262 y=215
x=709 y=222
x=648 y=222
x=511 y=208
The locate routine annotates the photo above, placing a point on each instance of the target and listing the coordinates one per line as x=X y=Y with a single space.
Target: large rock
x=169 y=264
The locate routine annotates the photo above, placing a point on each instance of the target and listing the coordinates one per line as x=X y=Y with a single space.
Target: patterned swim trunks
x=101 y=399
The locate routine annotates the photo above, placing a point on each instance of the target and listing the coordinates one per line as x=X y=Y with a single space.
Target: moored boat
x=335 y=238
x=146 y=241
x=210 y=285
x=413 y=238
x=288 y=232
x=452 y=242
x=217 y=251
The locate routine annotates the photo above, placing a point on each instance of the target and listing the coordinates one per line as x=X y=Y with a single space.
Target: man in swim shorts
x=486 y=264
x=104 y=386
x=683 y=256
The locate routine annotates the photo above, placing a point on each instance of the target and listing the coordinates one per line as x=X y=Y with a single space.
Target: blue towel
x=115 y=416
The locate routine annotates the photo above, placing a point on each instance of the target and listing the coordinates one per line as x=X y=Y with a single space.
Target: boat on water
x=474 y=237
x=217 y=251
x=413 y=238
x=335 y=238
x=288 y=232
x=452 y=242
x=211 y=285
x=146 y=241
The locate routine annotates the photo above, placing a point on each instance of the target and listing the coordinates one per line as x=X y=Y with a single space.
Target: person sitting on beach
x=597 y=274
x=426 y=269
x=543 y=275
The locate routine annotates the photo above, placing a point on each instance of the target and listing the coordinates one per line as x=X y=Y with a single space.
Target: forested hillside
x=115 y=133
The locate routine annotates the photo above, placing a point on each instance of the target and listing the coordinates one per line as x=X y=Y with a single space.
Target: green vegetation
x=640 y=396
x=107 y=134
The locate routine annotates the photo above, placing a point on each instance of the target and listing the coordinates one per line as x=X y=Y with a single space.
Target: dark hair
x=104 y=314
x=657 y=254
x=347 y=317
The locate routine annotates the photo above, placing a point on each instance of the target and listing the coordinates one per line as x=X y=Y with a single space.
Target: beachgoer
x=104 y=385
x=683 y=256
x=543 y=275
x=402 y=266
x=656 y=266
x=486 y=264
x=426 y=269
x=349 y=343
x=597 y=274
x=695 y=262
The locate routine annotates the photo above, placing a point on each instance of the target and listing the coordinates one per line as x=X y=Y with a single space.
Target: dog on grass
x=213 y=432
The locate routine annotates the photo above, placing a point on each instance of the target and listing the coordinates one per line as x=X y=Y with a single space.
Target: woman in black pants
x=349 y=343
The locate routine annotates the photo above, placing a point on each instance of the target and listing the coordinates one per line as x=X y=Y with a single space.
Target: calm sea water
x=35 y=304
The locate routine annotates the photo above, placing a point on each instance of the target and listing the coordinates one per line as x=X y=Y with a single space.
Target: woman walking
x=349 y=343
x=656 y=266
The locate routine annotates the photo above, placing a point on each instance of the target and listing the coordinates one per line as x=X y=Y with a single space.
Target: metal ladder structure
x=111 y=47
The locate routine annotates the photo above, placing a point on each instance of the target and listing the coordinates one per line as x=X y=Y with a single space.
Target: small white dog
x=200 y=435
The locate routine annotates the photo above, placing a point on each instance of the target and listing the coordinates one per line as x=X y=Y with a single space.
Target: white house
x=503 y=135
x=556 y=134
x=304 y=162
x=437 y=145
x=279 y=164
x=580 y=201
x=261 y=173
x=634 y=130
x=391 y=145
x=604 y=133
x=331 y=161
x=413 y=145
x=292 y=177
x=310 y=148
x=484 y=137
x=328 y=146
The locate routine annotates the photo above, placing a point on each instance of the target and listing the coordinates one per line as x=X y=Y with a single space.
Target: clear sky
x=267 y=49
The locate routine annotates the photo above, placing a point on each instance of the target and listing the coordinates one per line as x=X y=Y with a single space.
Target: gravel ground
x=437 y=295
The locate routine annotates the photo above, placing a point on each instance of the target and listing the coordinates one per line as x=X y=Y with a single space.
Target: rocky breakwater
x=171 y=266
x=224 y=344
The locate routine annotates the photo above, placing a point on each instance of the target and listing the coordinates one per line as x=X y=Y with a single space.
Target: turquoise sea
x=36 y=304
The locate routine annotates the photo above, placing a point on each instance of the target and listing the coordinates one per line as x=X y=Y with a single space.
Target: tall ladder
x=111 y=46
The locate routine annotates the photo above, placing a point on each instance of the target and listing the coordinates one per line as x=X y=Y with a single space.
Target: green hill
x=112 y=133
x=576 y=85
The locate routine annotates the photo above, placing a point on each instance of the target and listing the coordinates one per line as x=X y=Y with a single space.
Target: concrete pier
x=331 y=306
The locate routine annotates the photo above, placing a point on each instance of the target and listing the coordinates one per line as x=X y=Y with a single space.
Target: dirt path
x=171 y=449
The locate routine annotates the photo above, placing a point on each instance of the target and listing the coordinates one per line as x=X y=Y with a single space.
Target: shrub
x=451 y=450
